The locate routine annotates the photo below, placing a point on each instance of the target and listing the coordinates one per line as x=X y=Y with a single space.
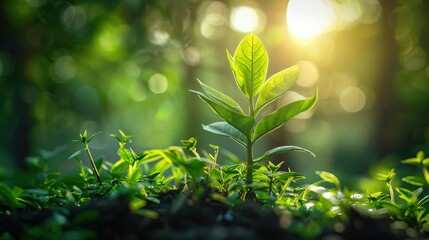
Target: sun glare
x=307 y=19
x=246 y=19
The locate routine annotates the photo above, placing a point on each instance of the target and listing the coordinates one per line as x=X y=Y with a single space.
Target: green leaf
x=387 y=177
x=51 y=179
x=277 y=118
x=276 y=85
x=405 y=194
x=195 y=168
x=329 y=177
x=412 y=161
x=126 y=155
x=414 y=180
x=221 y=97
x=287 y=175
x=250 y=65
x=99 y=164
x=423 y=201
x=282 y=149
x=190 y=144
x=93 y=135
x=240 y=121
x=7 y=197
x=135 y=175
x=75 y=154
x=231 y=64
x=225 y=129
x=426 y=174
x=119 y=167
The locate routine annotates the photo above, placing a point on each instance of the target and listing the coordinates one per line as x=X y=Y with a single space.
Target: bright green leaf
x=414 y=180
x=287 y=175
x=276 y=85
x=423 y=201
x=405 y=194
x=127 y=155
x=282 y=149
x=329 y=177
x=225 y=129
x=231 y=64
x=426 y=174
x=277 y=118
x=250 y=65
x=135 y=175
x=119 y=167
x=387 y=177
x=190 y=144
x=242 y=122
x=221 y=97
x=412 y=161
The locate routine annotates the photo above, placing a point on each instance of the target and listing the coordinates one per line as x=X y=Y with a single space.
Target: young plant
x=85 y=140
x=249 y=67
x=273 y=182
x=128 y=162
x=423 y=163
x=388 y=178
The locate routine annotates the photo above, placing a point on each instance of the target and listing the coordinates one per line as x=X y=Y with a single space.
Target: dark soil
x=181 y=217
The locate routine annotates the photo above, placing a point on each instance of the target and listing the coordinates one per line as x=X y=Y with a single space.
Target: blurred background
x=67 y=66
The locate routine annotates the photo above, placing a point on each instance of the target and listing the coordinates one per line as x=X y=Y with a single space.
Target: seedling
x=421 y=162
x=388 y=178
x=85 y=140
x=249 y=67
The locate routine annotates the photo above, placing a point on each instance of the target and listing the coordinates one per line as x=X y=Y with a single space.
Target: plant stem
x=249 y=162
x=93 y=164
x=392 y=194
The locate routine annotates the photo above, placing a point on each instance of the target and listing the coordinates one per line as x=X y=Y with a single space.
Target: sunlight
x=246 y=19
x=307 y=19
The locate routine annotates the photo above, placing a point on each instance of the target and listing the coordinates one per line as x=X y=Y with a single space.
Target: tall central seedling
x=249 y=66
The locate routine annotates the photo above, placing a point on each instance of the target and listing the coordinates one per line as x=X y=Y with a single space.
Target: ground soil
x=182 y=217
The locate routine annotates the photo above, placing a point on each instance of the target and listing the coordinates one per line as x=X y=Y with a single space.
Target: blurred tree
x=15 y=120
x=403 y=90
x=72 y=65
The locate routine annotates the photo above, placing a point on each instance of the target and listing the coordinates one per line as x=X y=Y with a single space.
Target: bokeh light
x=74 y=17
x=247 y=19
x=69 y=65
x=352 y=99
x=309 y=18
x=158 y=83
x=213 y=18
x=308 y=74
x=65 y=69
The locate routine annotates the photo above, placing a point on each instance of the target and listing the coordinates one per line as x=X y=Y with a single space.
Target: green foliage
x=387 y=178
x=249 y=65
x=143 y=177
x=8 y=200
x=421 y=162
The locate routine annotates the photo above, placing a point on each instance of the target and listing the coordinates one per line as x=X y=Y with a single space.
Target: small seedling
x=421 y=162
x=388 y=178
x=85 y=140
x=249 y=67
